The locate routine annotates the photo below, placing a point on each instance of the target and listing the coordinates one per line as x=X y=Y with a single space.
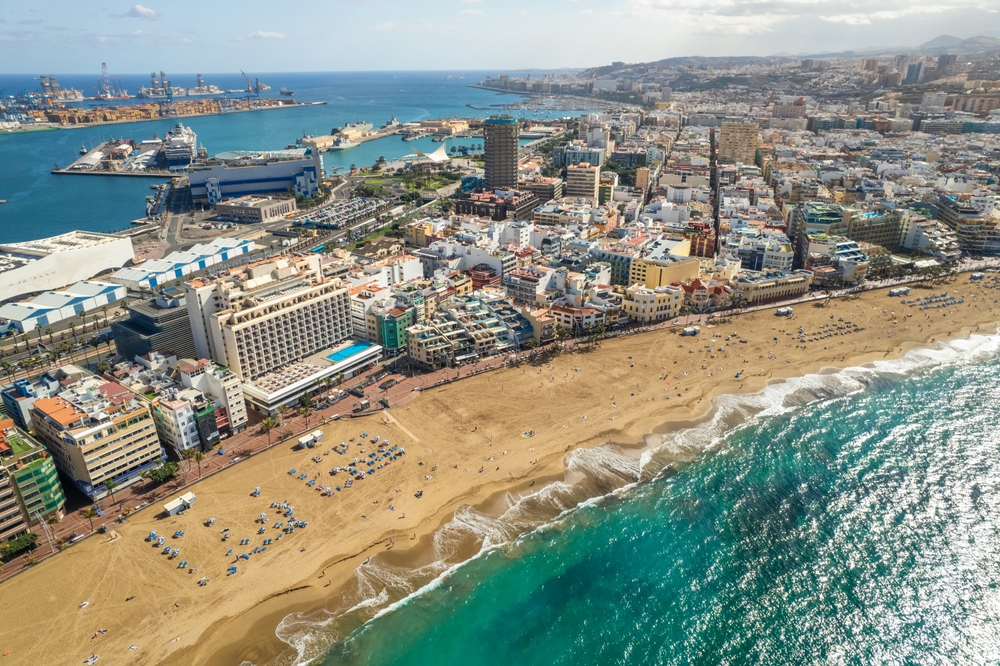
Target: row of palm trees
x=305 y=408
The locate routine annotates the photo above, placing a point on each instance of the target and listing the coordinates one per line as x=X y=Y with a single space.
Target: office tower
x=500 y=152
x=738 y=143
x=914 y=74
x=158 y=324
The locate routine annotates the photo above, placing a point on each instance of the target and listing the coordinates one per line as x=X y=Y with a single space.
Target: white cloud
x=385 y=27
x=472 y=12
x=264 y=34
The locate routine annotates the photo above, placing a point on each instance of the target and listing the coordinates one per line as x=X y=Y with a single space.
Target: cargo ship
x=286 y=92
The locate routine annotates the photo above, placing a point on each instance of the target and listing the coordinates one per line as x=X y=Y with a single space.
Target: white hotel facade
x=267 y=315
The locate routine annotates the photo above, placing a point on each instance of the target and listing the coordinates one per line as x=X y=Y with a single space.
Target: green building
x=28 y=475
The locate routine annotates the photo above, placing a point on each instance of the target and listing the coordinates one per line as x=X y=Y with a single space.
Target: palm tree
x=340 y=378
x=199 y=456
x=326 y=382
x=8 y=368
x=72 y=329
x=187 y=454
x=145 y=475
x=104 y=309
x=110 y=486
x=103 y=367
x=49 y=332
x=305 y=410
x=89 y=514
x=24 y=339
x=282 y=410
x=267 y=425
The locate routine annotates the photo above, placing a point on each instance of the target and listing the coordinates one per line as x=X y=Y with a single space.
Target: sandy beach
x=465 y=444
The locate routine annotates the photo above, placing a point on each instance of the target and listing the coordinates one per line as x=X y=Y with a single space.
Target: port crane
x=253 y=92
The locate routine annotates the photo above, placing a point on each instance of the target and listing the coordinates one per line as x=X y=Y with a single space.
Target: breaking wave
x=591 y=475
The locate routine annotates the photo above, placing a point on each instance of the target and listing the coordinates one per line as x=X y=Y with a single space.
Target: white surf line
x=400 y=426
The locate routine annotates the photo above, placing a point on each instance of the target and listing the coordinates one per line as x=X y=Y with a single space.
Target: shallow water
x=849 y=519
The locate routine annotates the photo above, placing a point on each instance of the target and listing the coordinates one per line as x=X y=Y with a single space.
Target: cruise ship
x=180 y=145
x=158 y=89
x=202 y=90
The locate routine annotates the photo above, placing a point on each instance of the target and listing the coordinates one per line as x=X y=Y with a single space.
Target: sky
x=75 y=36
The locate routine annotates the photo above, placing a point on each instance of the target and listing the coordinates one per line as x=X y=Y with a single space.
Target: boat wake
x=381 y=585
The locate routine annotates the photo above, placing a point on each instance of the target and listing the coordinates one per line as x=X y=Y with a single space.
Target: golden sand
x=471 y=425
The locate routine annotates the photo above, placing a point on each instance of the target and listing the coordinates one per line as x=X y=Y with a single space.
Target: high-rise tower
x=500 y=152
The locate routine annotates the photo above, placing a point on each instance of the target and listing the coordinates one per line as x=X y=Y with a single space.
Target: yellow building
x=762 y=287
x=655 y=273
x=649 y=306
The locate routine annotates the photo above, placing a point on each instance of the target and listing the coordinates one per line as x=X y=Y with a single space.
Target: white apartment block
x=223 y=387
x=175 y=421
x=266 y=315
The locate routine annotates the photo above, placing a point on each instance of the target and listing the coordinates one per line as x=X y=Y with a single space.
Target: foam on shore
x=591 y=475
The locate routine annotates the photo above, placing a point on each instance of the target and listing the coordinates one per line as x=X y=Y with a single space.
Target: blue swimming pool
x=348 y=352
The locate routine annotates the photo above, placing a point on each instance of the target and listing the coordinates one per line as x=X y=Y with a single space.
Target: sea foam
x=592 y=475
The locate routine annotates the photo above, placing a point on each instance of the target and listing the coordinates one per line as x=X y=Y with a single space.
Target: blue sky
x=75 y=36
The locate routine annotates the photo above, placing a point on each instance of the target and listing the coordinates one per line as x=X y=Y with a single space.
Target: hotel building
x=266 y=315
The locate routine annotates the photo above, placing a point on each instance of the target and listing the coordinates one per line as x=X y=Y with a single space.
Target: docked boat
x=343 y=144
x=390 y=124
x=286 y=92
x=83 y=150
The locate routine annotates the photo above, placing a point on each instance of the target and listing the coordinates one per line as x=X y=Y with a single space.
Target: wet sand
x=472 y=425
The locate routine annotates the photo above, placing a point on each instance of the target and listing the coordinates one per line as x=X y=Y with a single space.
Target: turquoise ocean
x=41 y=204
x=841 y=518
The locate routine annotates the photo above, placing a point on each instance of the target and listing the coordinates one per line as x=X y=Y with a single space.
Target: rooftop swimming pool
x=348 y=352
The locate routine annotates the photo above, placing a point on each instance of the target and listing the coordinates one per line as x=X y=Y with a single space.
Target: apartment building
x=29 y=483
x=97 y=431
x=500 y=134
x=222 y=387
x=185 y=420
x=977 y=232
x=649 y=306
x=583 y=180
x=268 y=314
x=738 y=143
